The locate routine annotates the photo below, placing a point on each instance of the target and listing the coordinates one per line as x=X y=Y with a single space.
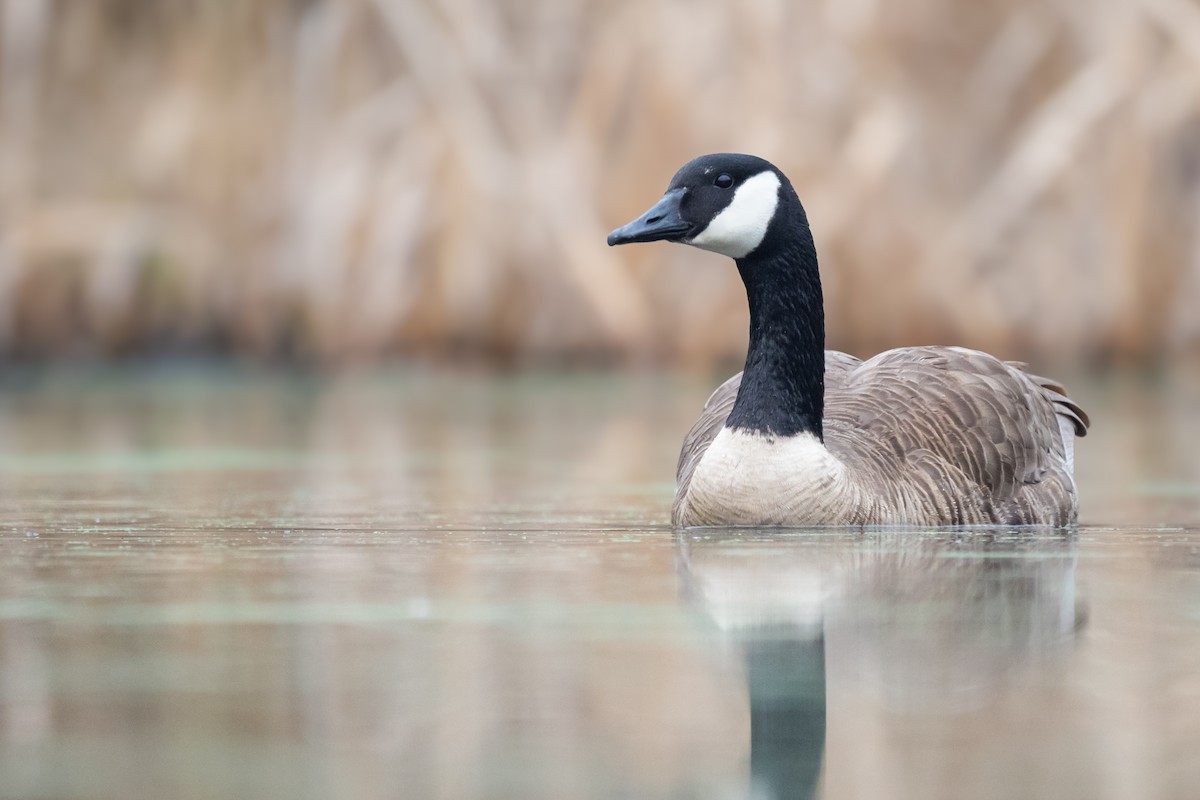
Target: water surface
x=221 y=584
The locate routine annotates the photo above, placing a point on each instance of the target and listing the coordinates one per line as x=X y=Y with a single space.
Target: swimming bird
x=807 y=436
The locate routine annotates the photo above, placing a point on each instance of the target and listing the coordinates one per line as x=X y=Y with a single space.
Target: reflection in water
x=411 y=584
x=925 y=623
x=785 y=679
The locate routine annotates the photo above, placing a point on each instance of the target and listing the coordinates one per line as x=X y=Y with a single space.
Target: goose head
x=723 y=202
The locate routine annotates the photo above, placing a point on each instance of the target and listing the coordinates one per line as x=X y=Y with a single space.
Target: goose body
x=805 y=436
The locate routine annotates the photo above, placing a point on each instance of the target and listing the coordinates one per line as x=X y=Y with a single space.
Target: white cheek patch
x=741 y=225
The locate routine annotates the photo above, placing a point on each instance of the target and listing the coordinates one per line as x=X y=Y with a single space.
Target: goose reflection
x=925 y=623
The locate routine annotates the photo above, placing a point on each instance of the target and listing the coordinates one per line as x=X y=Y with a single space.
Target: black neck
x=783 y=386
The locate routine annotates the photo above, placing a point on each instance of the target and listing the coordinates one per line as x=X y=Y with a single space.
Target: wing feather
x=986 y=431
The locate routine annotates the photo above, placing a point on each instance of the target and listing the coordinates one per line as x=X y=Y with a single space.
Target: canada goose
x=808 y=436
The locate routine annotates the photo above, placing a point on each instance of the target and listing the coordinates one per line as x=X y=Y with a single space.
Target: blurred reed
x=355 y=178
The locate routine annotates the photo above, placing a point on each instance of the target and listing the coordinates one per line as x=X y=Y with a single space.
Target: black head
x=723 y=202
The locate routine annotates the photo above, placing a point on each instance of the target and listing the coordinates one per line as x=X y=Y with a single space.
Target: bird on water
x=809 y=436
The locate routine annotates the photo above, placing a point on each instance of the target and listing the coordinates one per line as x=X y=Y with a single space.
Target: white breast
x=752 y=479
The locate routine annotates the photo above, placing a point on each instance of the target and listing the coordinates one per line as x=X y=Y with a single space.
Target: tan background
x=350 y=179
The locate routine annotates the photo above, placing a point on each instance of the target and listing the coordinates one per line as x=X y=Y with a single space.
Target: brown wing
x=960 y=434
x=838 y=367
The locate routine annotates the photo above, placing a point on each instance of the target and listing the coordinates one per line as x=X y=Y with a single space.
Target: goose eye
x=723 y=181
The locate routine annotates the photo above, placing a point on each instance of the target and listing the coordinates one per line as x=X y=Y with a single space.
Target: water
x=218 y=584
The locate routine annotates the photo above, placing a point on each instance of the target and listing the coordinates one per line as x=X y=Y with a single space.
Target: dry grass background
x=353 y=178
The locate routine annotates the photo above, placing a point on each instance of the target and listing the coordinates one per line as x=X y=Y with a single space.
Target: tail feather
x=1064 y=406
